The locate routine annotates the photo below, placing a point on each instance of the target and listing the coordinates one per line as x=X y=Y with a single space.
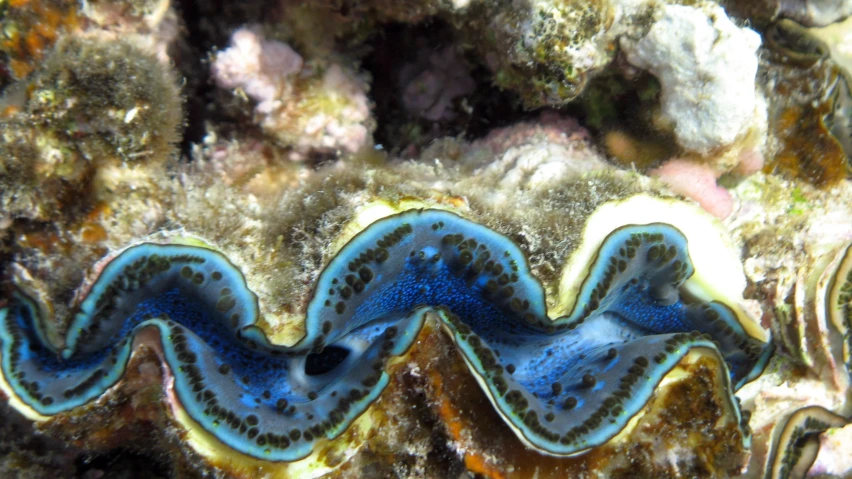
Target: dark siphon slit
x=325 y=361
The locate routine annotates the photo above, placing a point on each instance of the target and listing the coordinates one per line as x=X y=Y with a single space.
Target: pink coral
x=534 y=155
x=348 y=129
x=750 y=161
x=315 y=107
x=550 y=127
x=698 y=182
x=260 y=67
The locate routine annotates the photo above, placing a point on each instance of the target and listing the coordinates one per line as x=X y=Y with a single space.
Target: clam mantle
x=634 y=300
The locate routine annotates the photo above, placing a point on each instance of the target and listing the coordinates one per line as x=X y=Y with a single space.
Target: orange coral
x=473 y=461
x=31 y=29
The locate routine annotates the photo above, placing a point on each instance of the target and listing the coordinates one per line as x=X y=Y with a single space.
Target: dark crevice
x=396 y=50
x=208 y=26
x=121 y=464
x=196 y=89
x=612 y=101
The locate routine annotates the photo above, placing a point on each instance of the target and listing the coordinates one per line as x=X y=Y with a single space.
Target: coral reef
x=425 y=239
x=706 y=67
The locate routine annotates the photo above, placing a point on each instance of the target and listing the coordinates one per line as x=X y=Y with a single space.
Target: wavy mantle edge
x=642 y=203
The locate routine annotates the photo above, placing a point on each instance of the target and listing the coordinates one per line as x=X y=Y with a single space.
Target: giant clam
x=636 y=304
x=806 y=390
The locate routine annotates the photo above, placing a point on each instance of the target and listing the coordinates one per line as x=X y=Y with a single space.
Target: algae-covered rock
x=91 y=103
